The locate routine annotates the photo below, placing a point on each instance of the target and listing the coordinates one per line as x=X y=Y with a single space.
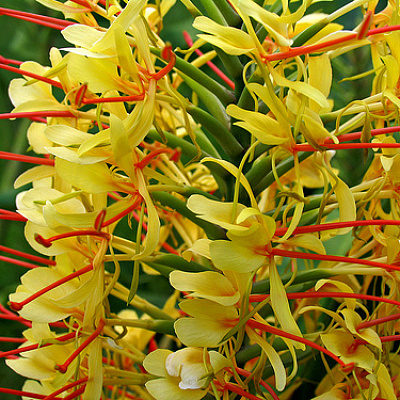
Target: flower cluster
x=224 y=183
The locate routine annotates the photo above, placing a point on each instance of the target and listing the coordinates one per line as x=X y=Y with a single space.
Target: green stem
x=213 y=104
x=175 y=262
x=301 y=277
x=230 y=15
x=281 y=169
x=154 y=325
x=309 y=32
x=224 y=94
x=214 y=12
x=221 y=134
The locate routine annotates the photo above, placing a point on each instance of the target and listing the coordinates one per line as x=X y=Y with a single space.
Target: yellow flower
x=184 y=375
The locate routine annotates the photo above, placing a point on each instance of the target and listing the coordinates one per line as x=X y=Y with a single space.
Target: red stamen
x=391 y=338
x=17 y=306
x=337 y=225
x=28 y=256
x=147 y=159
x=312 y=48
x=80 y=94
x=27 y=159
x=18 y=262
x=84 y=232
x=136 y=97
x=63 y=367
x=278 y=332
x=25 y=394
x=31 y=75
x=36 y=18
x=12 y=339
x=98 y=223
x=75 y=394
x=262 y=383
x=17 y=319
x=343 y=146
x=165 y=245
x=323 y=295
x=123 y=213
x=20 y=350
x=168 y=55
x=356 y=135
x=34 y=114
x=219 y=73
x=378 y=321
x=6 y=61
x=324 y=257
x=237 y=389
x=365 y=25
x=11 y=216
x=66 y=387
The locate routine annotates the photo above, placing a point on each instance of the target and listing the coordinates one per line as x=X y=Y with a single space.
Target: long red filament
x=378 y=321
x=66 y=387
x=18 y=262
x=218 y=72
x=344 y=146
x=31 y=75
x=84 y=232
x=323 y=295
x=244 y=372
x=312 y=48
x=278 y=332
x=337 y=225
x=325 y=257
x=63 y=338
x=31 y=257
x=35 y=114
x=17 y=306
x=63 y=367
x=28 y=159
x=25 y=394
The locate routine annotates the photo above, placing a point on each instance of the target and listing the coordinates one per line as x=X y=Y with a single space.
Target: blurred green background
x=24 y=41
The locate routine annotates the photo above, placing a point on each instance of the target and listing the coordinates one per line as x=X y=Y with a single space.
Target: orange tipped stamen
x=63 y=367
x=84 y=232
x=17 y=306
x=27 y=159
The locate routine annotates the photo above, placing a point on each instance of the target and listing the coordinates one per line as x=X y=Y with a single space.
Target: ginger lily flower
x=184 y=375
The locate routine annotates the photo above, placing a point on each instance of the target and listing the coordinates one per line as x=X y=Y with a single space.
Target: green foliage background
x=26 y=41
